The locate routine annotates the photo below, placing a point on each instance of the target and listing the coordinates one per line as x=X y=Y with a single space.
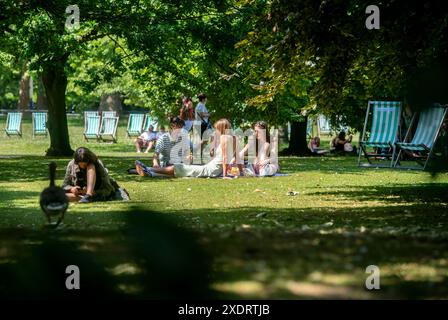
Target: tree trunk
x=297 y=141
x=111 y=102
x=55 y=83
x=41 y=98
x=24 y=89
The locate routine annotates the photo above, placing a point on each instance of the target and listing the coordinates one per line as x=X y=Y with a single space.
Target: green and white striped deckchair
x=108 y=114
x=149 y=121
x=108 y=130
x=14 y=124
x=383 y=131
x=135 y=124
x=39 y=120
x=92 y=127
x=89 y=114
x=428 y=128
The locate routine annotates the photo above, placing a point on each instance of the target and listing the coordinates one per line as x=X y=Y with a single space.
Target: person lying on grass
x=86 y=179
x=216 y=167
x=262 y=163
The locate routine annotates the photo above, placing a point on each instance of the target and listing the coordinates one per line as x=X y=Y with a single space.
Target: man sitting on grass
x=165 y=143
x=146 y=140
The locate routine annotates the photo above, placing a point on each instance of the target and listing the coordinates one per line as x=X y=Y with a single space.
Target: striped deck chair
x=135 y=124
x=14 y=124
x=383 y=132
x=89 y=114
x=92 y=127
x=428 y=128
x=39 y=120
x=108 y=130
x=149 y=121
x=108 y=114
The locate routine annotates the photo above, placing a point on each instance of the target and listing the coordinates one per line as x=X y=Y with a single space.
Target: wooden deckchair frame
x=17 y=130
x=429 y=150
x=146 y=125
x=131 y=118
x=363 y=144
x=35 y=132
x=87 y=126
x=113 y=135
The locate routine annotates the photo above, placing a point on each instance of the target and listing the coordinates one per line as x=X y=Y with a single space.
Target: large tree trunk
x=55 y=83
x=24 y=89
x=41 y=103
x=297 y=140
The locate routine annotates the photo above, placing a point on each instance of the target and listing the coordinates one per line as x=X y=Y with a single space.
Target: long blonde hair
x=222 y=125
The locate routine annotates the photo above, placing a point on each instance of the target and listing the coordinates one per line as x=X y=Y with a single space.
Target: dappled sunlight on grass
x=264 y=242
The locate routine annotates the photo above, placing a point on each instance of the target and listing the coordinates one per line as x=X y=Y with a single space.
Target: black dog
x=53 y=200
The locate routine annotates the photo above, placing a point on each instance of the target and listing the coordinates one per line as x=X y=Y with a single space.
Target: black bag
x=205 y=125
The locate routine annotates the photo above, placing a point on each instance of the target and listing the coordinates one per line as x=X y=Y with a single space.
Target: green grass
x=261 y=242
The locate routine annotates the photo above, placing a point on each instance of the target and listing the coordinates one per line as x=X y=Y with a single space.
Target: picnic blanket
x=133 y=171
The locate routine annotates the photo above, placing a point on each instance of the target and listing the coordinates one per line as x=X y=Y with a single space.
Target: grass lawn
x=254 y=239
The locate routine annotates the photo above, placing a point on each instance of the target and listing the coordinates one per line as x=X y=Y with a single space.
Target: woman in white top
x=214 y=168
x=263 y=164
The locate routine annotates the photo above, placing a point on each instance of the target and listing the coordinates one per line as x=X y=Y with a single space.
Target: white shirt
x=148 y=136
x=200 y=108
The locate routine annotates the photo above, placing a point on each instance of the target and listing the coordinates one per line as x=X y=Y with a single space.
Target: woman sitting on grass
x=262 y=165
x=86 y=179
x=343 y=145
x=214 y=168
x=315 y=148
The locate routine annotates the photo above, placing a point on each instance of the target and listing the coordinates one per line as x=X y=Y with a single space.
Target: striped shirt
x=163 y=148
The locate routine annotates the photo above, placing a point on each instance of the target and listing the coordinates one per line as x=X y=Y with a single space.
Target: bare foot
x=139 y=170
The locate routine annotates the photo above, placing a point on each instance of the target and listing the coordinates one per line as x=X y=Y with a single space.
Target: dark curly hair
x=83 y=154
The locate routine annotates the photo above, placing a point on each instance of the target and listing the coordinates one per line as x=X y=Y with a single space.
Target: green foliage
x=9 y=81
x=327 y=42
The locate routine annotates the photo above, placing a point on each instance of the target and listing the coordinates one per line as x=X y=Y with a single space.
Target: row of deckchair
x=383 y=134
x=14 y=124
x=104 y=127
x=101 y=126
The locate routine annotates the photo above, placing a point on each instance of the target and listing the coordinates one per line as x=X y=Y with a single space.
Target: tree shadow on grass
x=29 y=168
x=7 y=195
x=313 y=265
x=435 y=193
x=256 y=253
x=34 y=168
x=151 y=257
x=282 y=253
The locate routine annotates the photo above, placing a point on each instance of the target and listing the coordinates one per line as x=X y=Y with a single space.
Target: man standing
x=201 y=113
